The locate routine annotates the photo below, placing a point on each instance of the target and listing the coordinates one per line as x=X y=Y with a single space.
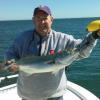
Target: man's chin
x=43 y=32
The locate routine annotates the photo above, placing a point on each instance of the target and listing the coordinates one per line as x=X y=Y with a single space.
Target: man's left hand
x=98 y=33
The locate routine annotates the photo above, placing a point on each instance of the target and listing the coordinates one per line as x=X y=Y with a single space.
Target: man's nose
x=42 y=21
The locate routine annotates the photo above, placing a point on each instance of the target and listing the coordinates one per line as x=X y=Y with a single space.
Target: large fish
x=49 y=63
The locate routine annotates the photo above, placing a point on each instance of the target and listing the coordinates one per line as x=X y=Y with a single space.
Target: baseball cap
x=46 y=9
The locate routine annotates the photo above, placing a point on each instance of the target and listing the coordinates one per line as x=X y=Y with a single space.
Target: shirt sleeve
x=19 y=46
x=84 y=46
x=12 y=52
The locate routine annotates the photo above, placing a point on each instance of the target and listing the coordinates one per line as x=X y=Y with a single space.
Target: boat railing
x=5 y=88
x=8 y=77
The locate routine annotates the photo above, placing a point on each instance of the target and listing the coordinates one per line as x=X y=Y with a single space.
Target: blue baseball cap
x=46 y=9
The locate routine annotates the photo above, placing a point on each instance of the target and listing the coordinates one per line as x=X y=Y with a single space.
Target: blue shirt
x=46 y=85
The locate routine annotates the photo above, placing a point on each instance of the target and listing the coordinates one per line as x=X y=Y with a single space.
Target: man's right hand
x=13 y=67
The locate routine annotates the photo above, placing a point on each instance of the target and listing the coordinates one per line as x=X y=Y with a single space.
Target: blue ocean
x=84 y=72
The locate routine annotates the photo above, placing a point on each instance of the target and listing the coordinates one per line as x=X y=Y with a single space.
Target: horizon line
x=54 y=18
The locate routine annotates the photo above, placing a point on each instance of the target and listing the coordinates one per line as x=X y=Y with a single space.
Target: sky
x=23 y=9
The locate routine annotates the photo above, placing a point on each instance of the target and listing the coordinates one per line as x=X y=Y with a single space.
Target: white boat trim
x=81 y=92
x=10 y=76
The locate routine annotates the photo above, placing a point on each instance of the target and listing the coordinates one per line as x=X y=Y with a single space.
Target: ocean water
x=84 y=72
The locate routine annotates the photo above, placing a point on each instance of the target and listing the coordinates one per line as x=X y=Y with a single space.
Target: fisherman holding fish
x=40 y=42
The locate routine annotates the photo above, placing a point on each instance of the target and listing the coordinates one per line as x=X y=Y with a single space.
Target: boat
x=73 y=91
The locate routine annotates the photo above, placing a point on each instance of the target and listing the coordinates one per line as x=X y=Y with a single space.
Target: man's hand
x=96 y=34
x=12 y=66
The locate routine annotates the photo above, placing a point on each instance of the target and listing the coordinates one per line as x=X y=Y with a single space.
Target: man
x=45 y=41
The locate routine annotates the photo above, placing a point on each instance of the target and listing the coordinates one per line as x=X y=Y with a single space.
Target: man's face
x=43 y=23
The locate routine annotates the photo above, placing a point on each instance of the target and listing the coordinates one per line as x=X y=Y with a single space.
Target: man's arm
x=88 y=44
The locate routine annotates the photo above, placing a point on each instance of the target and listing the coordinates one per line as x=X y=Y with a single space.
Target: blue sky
x=23 y=9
